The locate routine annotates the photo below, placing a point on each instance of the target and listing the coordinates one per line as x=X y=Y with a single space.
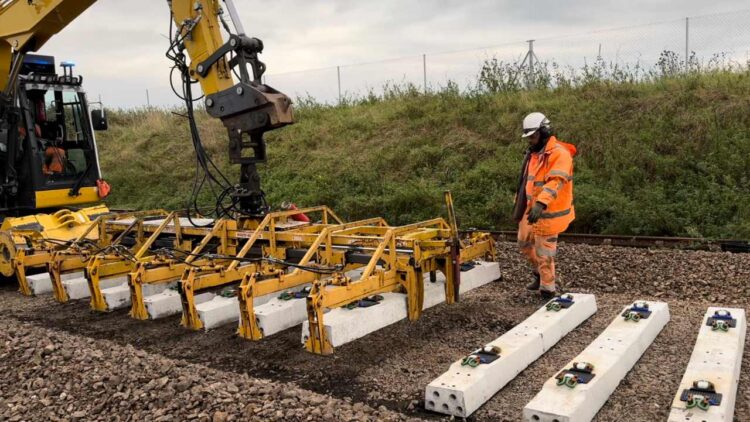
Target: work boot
x=547 y=295
x=534 y=285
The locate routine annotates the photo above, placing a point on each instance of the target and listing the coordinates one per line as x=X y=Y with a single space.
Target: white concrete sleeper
x=468 y=384
x=580 y=389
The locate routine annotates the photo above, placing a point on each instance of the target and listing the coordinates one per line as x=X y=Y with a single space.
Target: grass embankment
x=669 y=157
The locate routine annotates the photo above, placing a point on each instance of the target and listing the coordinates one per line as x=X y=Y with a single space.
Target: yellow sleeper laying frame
x=113 y=265
x=256 y=284
x=109 y=234
x=273 y=236
x=400 y=258
x=161 y=269
x=277 y=253
x=28 y=243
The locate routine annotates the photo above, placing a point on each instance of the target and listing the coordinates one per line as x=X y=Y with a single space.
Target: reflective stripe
x=555 y=214
x=538 y=183
x=552 y=240
x=546 y=252
x=551 y=192
x=560 y=173
x=529 y=178
x=525 y=244
x=560 y=185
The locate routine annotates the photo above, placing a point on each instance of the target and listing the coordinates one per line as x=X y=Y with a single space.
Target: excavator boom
x=247 y=107
x=37 y=107
x=25 y=26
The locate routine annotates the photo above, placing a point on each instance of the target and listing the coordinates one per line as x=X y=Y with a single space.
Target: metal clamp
x=721 y=320
x=364 y=303
x=568 y=380
x=702 y=395
x=560 y=302
x=486 y=354
x=579 y=373
x=637 y=312
x=300 y=294
x=720 y=326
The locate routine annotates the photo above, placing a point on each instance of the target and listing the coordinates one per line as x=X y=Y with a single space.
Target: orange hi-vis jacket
x=53 y=160
x=549 y=180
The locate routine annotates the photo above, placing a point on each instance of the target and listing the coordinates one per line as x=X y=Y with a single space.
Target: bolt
x=209 y=102
x=240 y=91
x=200 y=68
x=233 y=42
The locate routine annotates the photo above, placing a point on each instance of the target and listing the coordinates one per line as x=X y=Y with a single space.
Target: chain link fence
x=710 y=42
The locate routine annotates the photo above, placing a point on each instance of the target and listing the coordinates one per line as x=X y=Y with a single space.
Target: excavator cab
x=53 y=162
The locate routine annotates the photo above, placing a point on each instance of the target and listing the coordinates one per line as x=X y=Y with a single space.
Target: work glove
x=536 y=212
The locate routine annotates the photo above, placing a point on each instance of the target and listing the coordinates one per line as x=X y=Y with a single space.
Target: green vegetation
x=668 y=156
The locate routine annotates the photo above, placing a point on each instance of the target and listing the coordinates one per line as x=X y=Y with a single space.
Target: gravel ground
x=50 y=375
x=381 y=376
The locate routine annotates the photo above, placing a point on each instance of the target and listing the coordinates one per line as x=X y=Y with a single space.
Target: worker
x=544 y=200
x=54 y=160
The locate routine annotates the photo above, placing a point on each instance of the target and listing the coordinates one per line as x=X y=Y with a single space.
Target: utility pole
x=338 y=76
x=424 y=71
x=148 y=100
x=687 y=45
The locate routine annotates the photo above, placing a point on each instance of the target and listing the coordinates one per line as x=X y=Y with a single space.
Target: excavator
x=48 y=156
x=241 y=261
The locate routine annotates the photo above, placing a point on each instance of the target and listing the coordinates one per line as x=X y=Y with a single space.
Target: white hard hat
x=532 y=123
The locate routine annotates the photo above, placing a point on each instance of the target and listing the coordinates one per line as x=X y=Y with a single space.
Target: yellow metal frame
x=255 y=284
x=273 y=230
x=112 y=265
x=404 y=254
x=397 y=258
x=35 y=247
x=160 y=270
x=78 y=254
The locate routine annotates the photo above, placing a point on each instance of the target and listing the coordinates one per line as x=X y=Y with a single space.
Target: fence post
x=687 y=45
x=338 y=76
x=424 y=71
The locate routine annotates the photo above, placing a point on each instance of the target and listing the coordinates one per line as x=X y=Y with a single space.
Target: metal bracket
x=364 y=303
x=485 y=355
x=579 y=373
x=637 y=312
x=722 y=320
x=702 y=395
x=560 y=302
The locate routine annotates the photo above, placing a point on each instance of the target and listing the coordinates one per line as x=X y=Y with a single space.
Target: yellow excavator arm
x=228 y=71
x=247 y=107
x=26 y=25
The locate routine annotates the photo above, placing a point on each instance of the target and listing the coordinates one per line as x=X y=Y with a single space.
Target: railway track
x=692 y=243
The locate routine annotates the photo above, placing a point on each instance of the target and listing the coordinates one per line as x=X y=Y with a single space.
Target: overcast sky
x=119 y=45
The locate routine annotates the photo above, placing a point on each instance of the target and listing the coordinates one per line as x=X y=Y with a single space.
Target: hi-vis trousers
x=540 y=251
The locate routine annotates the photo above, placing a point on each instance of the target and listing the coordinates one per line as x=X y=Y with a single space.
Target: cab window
x=62 y=133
